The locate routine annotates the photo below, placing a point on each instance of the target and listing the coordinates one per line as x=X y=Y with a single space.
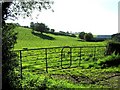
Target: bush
x=9 y=58
x=81 y=35
x=109 y=61
x=113 y=47
x=31 y=81
x=52 y=30
x=88 y=36
x=25 y=26
x=73 y=35
x=116 y=37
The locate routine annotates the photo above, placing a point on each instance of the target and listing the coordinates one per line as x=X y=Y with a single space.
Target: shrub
x=81 y=35
x=9 y=58
x=88 y=36
x=31 y=81
x=73 y=35
x=52 y=30
x=116 y=37
x=109 y=61
x=113 y=47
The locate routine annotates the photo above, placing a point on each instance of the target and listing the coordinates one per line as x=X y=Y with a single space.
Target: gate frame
x=46 y=53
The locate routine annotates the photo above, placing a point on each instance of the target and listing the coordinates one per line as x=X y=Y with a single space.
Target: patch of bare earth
x=106 y=79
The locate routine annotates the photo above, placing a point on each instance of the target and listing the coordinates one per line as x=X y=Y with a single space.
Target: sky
x=99 y=17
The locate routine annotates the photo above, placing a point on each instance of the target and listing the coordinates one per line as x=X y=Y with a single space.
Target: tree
x=47 y=29
x=32 y=25
x=52 y=30
x=9 y=62
x=81 y=35
x=8 y=57
x=88 y=36
x=41 y=27
x=62 y=32
x=26 y=7
x=67 y=33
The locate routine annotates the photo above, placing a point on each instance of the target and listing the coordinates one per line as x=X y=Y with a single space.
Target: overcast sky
x=95 y=16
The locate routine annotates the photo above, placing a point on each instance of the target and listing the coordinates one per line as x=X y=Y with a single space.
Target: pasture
x=28 y=40
x=72 y=63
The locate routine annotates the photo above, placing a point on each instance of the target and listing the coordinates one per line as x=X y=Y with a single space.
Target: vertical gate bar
x=70 y=56
x=61 y=57
x=80 y=57
x=21 y=64
x=94 y=52
x=46 y=60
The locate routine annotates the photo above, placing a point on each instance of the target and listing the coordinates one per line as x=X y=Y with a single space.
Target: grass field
x=88 y=75
x=27 y=40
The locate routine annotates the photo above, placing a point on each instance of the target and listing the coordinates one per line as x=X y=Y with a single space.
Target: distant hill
x=27 y=39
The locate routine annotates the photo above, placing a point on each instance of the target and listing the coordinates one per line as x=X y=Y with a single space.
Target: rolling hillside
x=28 y=40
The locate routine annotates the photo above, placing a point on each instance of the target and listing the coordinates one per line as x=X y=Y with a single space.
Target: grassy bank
x=28 y=40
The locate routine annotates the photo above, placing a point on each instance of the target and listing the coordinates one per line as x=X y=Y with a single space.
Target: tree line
x=43 y=28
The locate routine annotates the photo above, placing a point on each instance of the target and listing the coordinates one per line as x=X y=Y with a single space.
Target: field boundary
x=58 y=57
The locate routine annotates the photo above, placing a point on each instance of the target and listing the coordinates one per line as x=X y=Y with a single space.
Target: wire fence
x=44 y=59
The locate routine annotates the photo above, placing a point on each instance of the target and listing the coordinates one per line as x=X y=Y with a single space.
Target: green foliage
x=52 y=30
x=40 y=27
x=27 y=7
x=109 y=61
x=85 y=36
x=32 y=25
x=9 y=58
x=9 y=37
x=81 y=35
x=88 y=36
x=116 y=37
x=113 y=46
x=73 y=35
x=31 y=81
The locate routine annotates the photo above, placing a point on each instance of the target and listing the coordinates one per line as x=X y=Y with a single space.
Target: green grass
x=35 y=60
x=85 y=76
x=28 y=40
x=73 y=78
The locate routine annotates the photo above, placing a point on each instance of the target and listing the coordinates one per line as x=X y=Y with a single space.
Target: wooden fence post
x=46 y=60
